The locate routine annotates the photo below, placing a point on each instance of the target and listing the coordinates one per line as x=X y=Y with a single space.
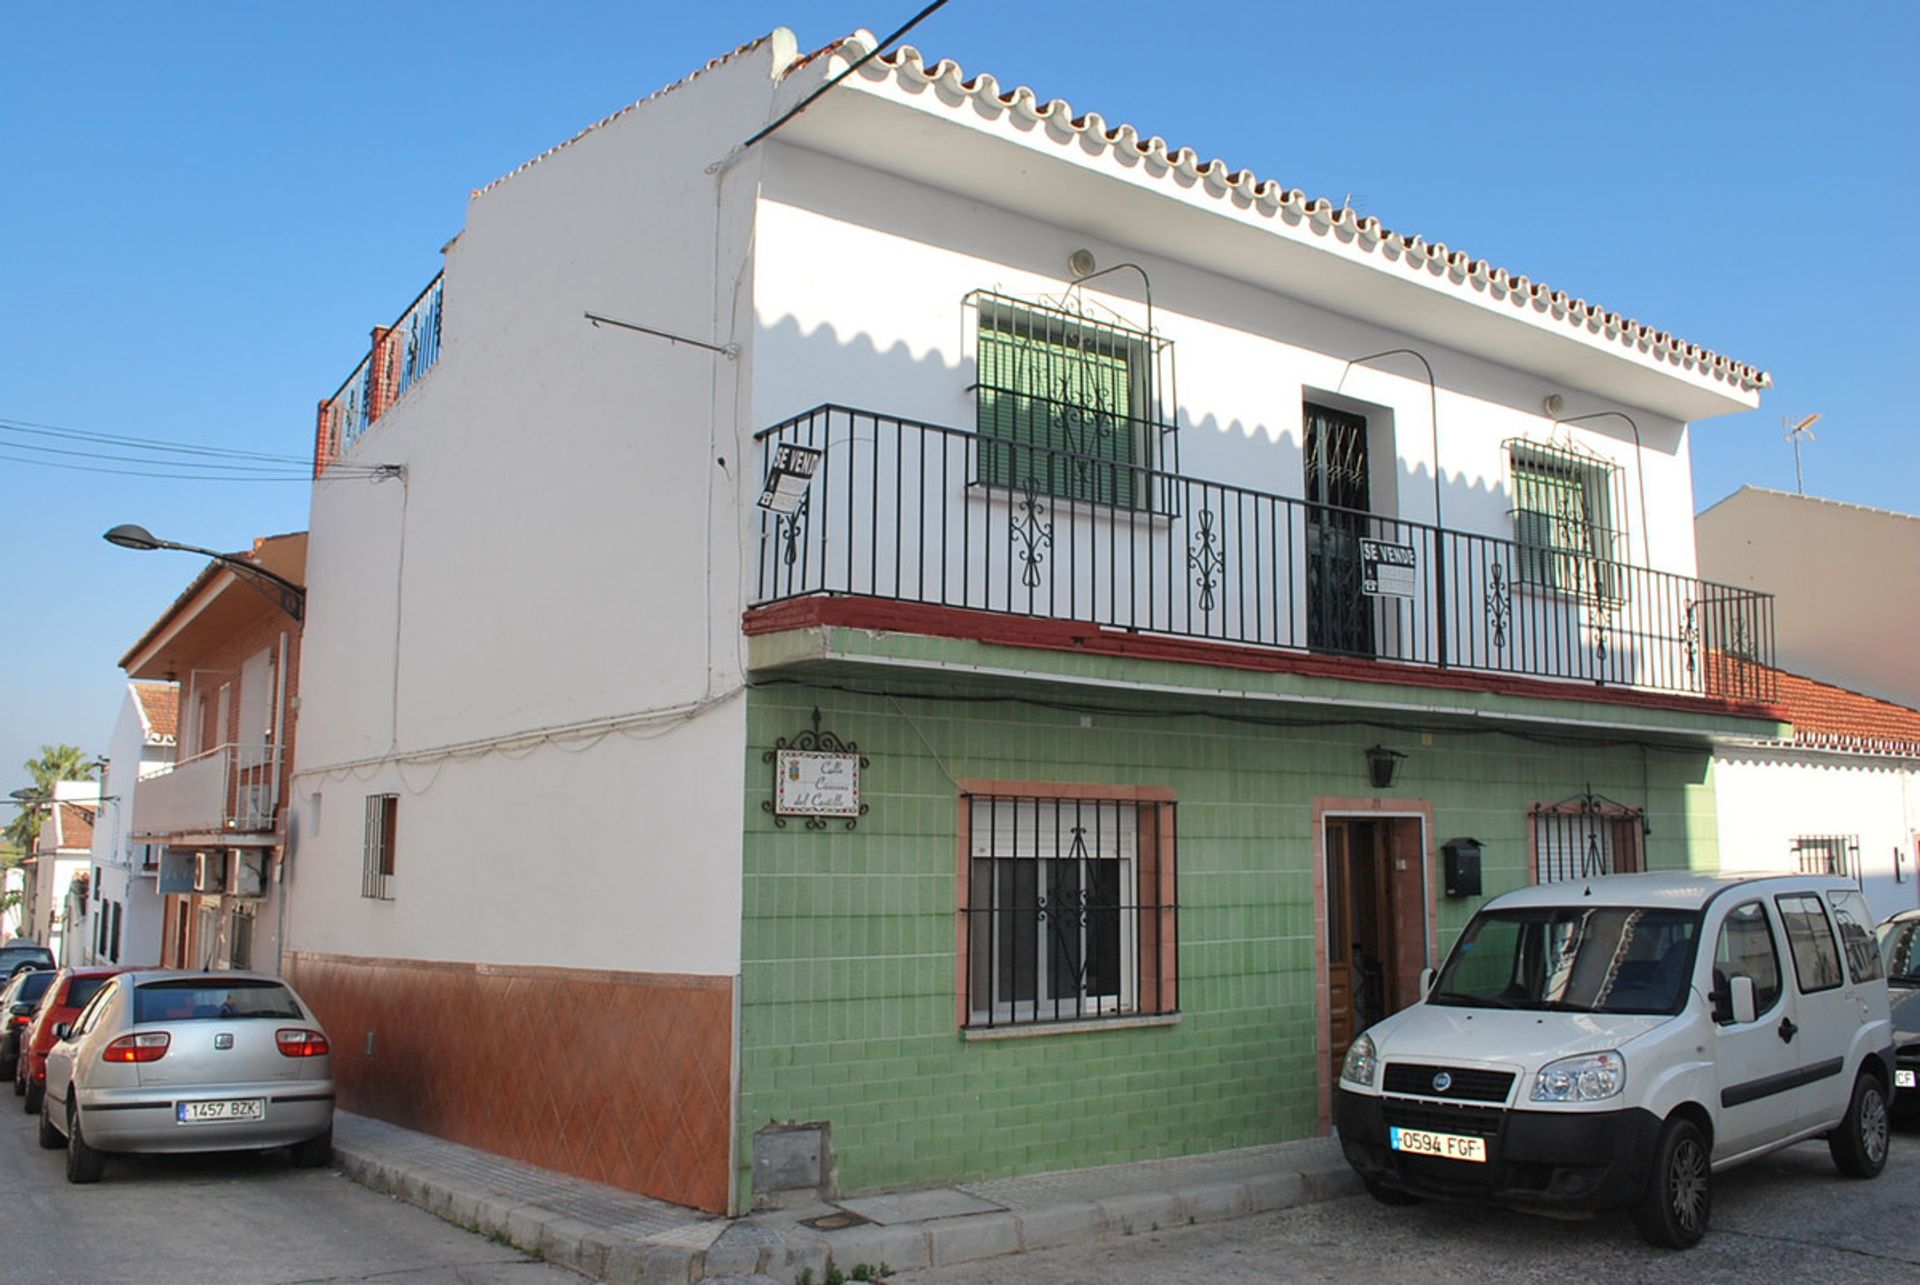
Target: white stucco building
x=63 y=853
x=1841 y=795
x=125 y=912
x=1127 y=487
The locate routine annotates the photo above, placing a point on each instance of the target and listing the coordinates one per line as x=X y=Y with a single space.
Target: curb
x=770 y=1251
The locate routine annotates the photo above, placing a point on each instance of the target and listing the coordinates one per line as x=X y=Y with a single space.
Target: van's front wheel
x=1679 y=1198
x=1859 y=1145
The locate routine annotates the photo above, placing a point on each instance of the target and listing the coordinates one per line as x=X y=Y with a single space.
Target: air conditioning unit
x=210 y=871
x=249 y=875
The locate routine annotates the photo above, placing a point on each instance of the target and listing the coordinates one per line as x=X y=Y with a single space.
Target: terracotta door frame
x=1359 y=809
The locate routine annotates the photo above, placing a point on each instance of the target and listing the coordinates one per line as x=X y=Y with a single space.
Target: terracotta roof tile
x=160 y=705
x=76 y=825
x=1824 y=716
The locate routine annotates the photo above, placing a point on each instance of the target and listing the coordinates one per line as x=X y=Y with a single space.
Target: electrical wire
x=150 y=458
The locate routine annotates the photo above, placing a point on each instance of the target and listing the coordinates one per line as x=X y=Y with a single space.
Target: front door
x=1339 y=616
x=1376 y=929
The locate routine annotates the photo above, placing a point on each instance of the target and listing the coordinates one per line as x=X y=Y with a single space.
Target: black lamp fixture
x=284 y=593
x=1383 y=765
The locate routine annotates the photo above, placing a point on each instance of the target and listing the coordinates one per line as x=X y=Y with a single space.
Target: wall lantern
x=788 y=479
x=1383 y=765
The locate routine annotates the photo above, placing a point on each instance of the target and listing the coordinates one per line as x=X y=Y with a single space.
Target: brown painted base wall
x=621 y=1078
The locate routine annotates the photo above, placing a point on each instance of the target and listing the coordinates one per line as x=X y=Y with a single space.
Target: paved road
x=1789 y=1217
x=233 y=1219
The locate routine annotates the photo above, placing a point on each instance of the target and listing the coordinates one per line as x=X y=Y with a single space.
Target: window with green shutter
x=1563 y=520
x=1064 y=405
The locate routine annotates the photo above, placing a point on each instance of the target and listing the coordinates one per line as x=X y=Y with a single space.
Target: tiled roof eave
x=908 y=69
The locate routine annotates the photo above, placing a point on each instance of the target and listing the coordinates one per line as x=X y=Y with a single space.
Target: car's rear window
x=81 y=990
x=201 y=999
x=35 y=986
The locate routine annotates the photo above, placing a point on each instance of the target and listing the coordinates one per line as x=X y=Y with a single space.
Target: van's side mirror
x=1427 y=976
x=21 y=1008
x=62 y=1030
x=1744 y=1009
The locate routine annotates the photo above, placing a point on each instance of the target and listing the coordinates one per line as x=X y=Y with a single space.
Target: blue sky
x=207 y=206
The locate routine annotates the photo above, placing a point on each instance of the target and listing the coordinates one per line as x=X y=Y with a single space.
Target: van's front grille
x=1438 y=1117
x=1463 y=1083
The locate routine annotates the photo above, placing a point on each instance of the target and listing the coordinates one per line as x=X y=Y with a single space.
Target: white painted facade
x=1846 y=579
x=1771 y=796
x=59 y=861
x=125 y=877
x=532 y=636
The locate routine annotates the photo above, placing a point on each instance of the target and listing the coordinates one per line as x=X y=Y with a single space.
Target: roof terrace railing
x=398 y=357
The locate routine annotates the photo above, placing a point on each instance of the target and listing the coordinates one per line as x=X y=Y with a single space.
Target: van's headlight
x=1361 y=1064
x=1590 y=1077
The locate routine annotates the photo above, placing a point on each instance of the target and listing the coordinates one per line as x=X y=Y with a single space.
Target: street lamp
x=288 y=596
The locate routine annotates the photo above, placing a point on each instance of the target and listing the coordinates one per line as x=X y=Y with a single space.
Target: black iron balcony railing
x=904 y=511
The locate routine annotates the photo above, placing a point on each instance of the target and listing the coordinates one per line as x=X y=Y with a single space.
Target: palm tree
x=56 y=763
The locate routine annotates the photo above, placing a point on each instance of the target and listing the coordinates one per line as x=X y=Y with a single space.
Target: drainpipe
x=283 y=806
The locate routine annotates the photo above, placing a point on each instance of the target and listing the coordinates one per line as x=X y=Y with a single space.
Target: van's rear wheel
x=1859 y=1145
x=1674 y=1211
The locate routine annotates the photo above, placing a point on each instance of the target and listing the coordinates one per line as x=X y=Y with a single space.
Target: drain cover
x=838 y=1220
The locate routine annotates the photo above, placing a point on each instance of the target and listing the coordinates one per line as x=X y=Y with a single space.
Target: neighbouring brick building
x=963 y=625
x=213 y=819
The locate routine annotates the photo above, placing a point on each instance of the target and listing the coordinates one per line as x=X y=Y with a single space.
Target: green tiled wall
x=848 y=1004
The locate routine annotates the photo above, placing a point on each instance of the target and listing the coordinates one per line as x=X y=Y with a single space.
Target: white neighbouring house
x=1218 y=550
x=62 y=853
x=125 y=912
x=1841 y=796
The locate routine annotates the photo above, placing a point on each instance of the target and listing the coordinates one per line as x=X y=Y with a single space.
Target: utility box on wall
x=1461 y=866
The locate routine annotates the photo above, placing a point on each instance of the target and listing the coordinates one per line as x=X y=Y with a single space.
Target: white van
x=1613 y=1042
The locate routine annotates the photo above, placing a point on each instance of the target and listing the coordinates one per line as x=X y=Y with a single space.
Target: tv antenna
x=1804 y=429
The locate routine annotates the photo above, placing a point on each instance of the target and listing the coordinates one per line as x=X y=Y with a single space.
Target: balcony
x=905 y=512
x=234 y=789
x=396 y=360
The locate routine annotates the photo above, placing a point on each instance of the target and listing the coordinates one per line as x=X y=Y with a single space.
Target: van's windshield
x=1579 y=959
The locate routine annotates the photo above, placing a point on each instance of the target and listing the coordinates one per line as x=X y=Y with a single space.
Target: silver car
x=170 y=1061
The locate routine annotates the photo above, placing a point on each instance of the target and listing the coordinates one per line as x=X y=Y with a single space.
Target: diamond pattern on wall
x=622 y=1078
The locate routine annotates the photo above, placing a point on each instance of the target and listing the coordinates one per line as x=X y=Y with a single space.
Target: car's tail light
x=20 y=1021
x=147 y=1046
x=299 y=1042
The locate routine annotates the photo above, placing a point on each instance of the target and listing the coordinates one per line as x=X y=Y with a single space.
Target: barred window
x=1827 y=854
x=1563 y=516
x=383 y=820
x=1585 y=837
x=239 y=939
x=1070 y=913
x=1065 y=405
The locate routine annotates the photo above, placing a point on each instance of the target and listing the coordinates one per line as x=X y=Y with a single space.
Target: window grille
x=1070 y=912
x=239 y=939
x=113 y=936
x=1067 y=405
x=1585 y=837
x=376 y=873
x=1827 y=854
x=1564 y=509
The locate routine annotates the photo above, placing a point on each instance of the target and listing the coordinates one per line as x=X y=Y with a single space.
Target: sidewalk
x=615 y=1235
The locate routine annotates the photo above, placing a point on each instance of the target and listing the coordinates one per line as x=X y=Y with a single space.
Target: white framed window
x=377 y=863
x=1069 y=913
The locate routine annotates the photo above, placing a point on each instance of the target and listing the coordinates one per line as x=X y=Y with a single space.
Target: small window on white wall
x=383 y=822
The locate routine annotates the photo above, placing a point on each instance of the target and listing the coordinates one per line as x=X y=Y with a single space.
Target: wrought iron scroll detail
x=818 y=741
x=789 y=529
x=1033 y=535
x=1690 y=637
x=1499 y=605
x=1207 y=560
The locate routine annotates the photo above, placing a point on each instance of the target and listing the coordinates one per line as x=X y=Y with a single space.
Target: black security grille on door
x=1828 y=854
x=1586 y=836
x=1339 y=615
x=1064 y=916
